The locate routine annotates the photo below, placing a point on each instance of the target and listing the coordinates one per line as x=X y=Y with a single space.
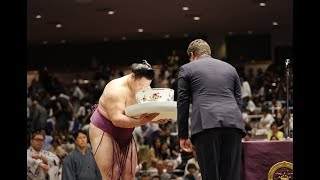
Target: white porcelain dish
x=155 y=95
x=167 y=110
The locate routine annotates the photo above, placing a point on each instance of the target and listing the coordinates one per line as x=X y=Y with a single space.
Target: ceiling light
x=105 y=39
x=110 y=12
x=230 y=33
x=63 y=41
x=196 y=18
x=140 y=30
x=250 y=32
x=38 y=16
x=167 y=36
x=123 y=38
x=45 y=42
x=58 y=26
x=275 y=23
x=185 y=34
x=262 y=4
x=185 y=8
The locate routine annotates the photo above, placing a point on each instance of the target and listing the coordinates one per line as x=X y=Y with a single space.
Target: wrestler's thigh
x=103 y=155
x=131 y=163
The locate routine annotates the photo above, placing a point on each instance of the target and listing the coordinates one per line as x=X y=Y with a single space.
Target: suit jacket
x=213 y=88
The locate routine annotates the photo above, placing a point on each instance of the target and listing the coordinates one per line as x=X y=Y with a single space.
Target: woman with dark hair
x=155 y=151
x=110 y=130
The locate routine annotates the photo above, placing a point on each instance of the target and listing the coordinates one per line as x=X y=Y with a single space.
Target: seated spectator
x=145 y=176
x=275 y=134
x=41 y=164
x=247 y=123
x=193 y=161
x=48 y=140
x=56 y=147
x=39 y=116
x=275 y=105
x=165 y=151
x=154 y=152
x=80 y=163
x=170 y=168
x=279 y=119
x=245 y=92
x=251 y=107
x=156 y=177
x=192 y=172
x=267 y=118
x=160 y=171
x=265 y=122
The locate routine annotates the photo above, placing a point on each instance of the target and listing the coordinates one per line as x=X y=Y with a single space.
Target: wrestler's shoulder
x=112 y=83
x=115 y=87
x=116 y=82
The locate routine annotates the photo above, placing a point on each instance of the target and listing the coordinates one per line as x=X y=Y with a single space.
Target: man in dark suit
x=213 y=88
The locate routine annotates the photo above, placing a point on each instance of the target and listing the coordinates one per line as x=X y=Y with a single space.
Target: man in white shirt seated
x=265 y=122
x=41 y=164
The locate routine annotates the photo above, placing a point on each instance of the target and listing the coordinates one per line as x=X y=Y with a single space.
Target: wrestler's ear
x=133 y=76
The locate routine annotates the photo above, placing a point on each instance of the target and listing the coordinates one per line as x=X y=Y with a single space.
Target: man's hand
x=36 y=156
x=186 y=145
x=43 y=158
x=44 y=166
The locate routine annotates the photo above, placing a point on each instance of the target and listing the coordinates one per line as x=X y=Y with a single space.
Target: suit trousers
x=218 y=152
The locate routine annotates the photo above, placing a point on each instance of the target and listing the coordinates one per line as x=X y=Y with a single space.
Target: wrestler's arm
x=160 y=121
x=116 y=107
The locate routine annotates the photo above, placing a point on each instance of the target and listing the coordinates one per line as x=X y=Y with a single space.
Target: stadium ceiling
x=56 y=21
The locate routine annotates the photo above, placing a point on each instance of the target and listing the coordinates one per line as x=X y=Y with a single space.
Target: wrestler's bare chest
x=130 y=101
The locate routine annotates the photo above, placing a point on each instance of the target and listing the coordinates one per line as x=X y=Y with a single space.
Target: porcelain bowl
x=155 y=95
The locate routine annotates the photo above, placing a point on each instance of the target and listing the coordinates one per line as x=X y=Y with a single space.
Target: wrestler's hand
x=162 y=121
x=147 y=117
x=186 y=145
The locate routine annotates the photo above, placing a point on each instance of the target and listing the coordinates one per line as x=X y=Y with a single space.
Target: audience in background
x=41 y=164
x=54 y=106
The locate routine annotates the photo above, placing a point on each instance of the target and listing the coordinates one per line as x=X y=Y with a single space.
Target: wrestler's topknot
x=143 y=69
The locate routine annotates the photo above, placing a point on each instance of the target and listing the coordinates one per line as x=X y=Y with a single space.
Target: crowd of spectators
x=60 y=110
